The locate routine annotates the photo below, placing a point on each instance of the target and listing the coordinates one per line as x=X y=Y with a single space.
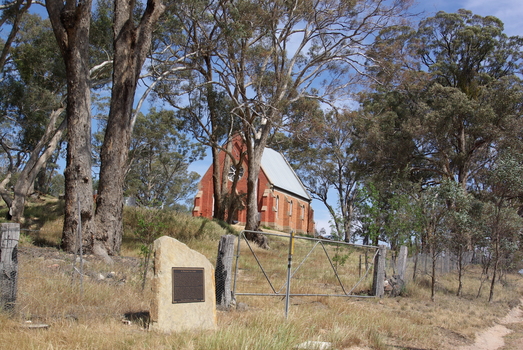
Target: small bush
x=230 y=230
x=181 y=226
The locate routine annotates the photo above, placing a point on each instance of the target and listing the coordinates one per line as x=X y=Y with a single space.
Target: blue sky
x=509 y=11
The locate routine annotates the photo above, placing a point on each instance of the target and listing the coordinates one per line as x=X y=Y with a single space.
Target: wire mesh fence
x=9 y=236
x=444 y=263
x=52 y=283
x=49 y=285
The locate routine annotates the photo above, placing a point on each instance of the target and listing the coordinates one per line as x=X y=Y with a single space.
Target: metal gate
x=333 y=275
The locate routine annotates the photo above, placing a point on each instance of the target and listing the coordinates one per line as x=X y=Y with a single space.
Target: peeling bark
x=131 y=45
x=71 y=25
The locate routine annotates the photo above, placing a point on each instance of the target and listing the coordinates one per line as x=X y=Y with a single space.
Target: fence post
x=378 y=283
x=10 y=235
x=223 y=274
x=402 y=262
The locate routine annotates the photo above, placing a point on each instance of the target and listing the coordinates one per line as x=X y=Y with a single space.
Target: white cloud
x=509 y=11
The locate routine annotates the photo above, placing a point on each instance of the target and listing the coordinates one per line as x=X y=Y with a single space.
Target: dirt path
x=493 y=338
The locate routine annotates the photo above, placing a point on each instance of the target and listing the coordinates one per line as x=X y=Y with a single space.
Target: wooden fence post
x=378 y=283
x=223 y=274
x=402 y=262
x=10 y=235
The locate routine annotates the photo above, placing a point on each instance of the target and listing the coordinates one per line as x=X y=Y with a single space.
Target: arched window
x=290 y=208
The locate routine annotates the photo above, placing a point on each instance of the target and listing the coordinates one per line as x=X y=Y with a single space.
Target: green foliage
x=339 y=259
x=228 y=228
x=467 y=51
x=181 y=226
x=147 y=225
x=33 y=87
x=35 y=55
x=322 y=150
x=443 y=125
x=389 y=212
x=150 y=226
x=101 y=38
x=159 y=158
x=444 y=120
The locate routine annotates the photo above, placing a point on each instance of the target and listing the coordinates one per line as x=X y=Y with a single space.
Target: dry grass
x=89 y=315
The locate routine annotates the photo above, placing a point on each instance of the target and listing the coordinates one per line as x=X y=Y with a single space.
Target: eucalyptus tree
x=450 y=98
x=184 y=65
x=159 y=156
x=444 y=105
x=11 y=16
x=322 y=150
x=32 y=90
x=432 y=202
x=132 y=37
x=71 y=24
x=502 y=195
x=268 y=54
x=450 y=106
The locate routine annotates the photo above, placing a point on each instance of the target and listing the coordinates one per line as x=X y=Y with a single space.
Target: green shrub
x=181 y=226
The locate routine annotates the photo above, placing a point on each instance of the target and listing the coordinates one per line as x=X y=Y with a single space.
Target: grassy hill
x=99 y=310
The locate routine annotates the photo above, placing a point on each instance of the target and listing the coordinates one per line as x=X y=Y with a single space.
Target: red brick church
x=283 y=202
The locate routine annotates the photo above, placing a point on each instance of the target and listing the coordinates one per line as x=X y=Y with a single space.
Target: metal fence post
x=289 y=268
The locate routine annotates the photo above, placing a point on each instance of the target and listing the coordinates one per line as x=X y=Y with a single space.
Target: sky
x=510 y=12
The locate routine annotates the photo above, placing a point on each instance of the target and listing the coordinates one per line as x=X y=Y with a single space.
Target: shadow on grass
x=142 y=318
x=38 y=212
x=44 y=243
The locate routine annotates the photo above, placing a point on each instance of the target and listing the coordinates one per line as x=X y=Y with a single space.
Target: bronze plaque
x=188 y=285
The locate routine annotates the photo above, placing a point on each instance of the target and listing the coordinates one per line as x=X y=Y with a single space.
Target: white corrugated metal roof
x=280 y=173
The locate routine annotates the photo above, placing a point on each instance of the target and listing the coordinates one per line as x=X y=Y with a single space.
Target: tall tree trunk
x=255 y=150
x=131 y=44
x=218 y=181
x=234 y=200
x=71 y=24
x=433 y=277
x=347 y=221
x=460 y=271
x=416 y=256
x=495 y=267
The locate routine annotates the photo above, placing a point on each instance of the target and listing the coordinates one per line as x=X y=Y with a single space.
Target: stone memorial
x=183 y=288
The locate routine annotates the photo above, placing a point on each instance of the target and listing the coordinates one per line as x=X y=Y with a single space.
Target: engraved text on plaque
x=188 y=285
